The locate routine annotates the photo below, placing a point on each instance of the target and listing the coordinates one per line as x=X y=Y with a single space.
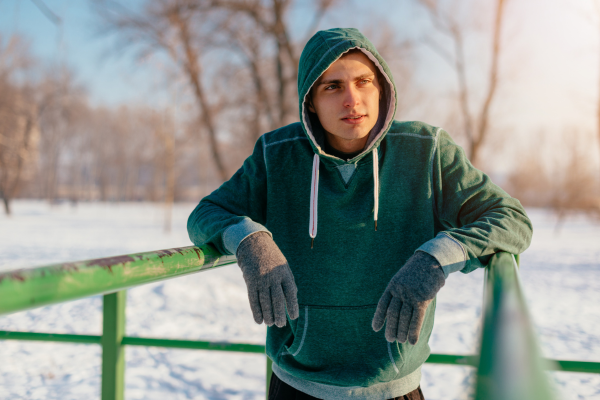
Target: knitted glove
x=407 y=296
x=269 y=280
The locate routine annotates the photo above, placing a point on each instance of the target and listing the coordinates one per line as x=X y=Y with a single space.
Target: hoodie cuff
x=233 y=235
x=448 y=251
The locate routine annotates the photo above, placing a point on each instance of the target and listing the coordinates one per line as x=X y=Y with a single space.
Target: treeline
x=54 y=145
x=229 y=69
x=76 y=151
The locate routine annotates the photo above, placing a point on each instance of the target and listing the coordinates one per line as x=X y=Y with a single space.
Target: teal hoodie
x=411 y=178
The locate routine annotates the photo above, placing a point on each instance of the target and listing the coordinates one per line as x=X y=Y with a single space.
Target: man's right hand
x=269 y=279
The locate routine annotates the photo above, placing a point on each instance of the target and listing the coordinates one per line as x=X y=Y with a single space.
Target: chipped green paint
x=30 y=288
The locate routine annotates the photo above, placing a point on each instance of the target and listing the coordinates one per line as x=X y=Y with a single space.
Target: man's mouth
x=354 y=119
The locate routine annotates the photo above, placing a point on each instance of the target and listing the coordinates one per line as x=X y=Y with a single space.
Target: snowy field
x=560 y=274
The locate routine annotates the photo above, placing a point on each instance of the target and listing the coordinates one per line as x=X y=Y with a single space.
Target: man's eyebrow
x=330 y=81
x=364 y=76
x=337 y=81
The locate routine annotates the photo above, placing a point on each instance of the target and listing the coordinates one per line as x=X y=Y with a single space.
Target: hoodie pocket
x=337 y=345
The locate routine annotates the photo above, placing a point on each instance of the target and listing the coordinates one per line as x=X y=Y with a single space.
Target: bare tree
x=575 y=189
x=271 y=19
x=187 y=30
x=597 y=9
x=18 y=119
x=567 y=185
x=61 y=108
x=175 y=28
x=165 y=133
x=594 y=19
x=476 y=125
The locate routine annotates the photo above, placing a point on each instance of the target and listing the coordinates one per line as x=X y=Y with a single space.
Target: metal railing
x=509 y=364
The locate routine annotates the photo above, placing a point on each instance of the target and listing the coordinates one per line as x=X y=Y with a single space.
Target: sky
x=111 y=79
x=549 y=70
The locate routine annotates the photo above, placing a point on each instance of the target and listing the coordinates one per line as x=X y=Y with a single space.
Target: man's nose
x=351 y=97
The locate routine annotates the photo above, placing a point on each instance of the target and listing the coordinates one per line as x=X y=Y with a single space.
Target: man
x=398 y=207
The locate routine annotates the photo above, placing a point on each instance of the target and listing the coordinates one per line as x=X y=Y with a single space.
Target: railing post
x=269 y=373
x=113 y=355
x=510 y=363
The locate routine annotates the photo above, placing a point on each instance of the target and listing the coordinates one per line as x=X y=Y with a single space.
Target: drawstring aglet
x=312 y=241
x=375 y=224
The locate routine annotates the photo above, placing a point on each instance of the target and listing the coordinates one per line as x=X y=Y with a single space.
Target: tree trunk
x=598 y=105
x=170 y=180
x=11 y=190
x=282 y=88
x=463 y=87
x=263 y=104
x=192 y=68
x=6 y=202
x=484 y=118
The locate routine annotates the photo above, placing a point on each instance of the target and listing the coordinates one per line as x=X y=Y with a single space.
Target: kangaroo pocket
x=337 y=346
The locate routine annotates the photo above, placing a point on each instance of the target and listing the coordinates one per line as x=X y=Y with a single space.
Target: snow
x=560 y=275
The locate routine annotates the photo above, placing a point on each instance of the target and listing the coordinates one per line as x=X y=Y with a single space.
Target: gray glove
x=407 y=296
x=269 y=279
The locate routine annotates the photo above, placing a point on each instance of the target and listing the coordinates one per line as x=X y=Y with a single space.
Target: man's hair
x=352 y=51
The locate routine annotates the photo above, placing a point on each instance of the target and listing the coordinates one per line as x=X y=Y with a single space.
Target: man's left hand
x=407 y=296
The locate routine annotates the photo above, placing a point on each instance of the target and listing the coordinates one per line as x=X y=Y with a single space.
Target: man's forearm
x=478 y=217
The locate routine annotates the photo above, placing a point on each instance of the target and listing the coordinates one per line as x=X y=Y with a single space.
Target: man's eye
x=365 y=81
x=330 y=87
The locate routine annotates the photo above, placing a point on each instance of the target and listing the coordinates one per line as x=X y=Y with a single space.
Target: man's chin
x=352 y=134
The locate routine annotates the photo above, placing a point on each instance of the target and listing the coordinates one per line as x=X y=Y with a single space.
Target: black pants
x=279 y=390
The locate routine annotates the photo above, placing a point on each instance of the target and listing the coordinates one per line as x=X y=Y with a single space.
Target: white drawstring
x=314 y=198
x=314 y=194
x=376 y=184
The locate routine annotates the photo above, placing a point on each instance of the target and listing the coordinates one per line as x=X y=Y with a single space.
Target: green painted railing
x=31 y=288
x=509 y=365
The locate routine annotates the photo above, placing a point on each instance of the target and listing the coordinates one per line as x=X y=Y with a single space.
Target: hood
x=322 y=50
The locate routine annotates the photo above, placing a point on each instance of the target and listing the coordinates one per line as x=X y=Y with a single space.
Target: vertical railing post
x=269 y=373
x=113 y=354
x=510 y=362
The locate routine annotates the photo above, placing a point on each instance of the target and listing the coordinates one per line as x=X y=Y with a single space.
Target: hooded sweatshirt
x=411 y=188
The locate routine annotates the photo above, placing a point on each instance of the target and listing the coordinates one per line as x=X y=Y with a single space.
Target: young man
x=398 y=207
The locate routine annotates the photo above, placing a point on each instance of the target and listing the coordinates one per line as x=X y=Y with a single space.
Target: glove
x=269 y=280
x=407 y=296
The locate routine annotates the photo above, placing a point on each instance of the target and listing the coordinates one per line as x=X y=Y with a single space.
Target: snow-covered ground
x=560 y=274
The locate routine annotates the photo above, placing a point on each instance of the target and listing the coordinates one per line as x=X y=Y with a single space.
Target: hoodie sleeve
x=235 y=210
x=477 y=218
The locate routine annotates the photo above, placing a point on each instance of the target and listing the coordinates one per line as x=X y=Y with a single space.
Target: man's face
x=346 y=100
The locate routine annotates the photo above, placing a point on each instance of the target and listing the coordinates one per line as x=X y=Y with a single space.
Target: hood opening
x=315 y=130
